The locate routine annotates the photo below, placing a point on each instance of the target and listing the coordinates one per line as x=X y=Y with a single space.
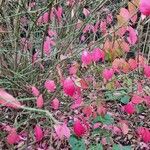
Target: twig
x=46 y=112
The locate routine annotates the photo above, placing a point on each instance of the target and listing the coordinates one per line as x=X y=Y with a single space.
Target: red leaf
x=8 y=100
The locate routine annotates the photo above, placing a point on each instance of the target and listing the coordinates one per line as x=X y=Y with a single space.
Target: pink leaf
x=139 y=87
x=129 y=108
x=8 y=100
x=88 y=111
x=144 y=134
x=77 y=103
x=82 y=38
x=12 y=137
x=79 y=128
x=38 y=133
x=52 y=43
x=55 y=103
x=109 y=18
x=145 y=7
x=97 y=55
x=125 y=46
x=121 y=31
x=147 y=71
x=86 y=12
x=40 y=20
x=69 y=87
x=84 y=84
x=147 y=100
x=40 y=101
x=45 y=17
x=132 y=39
x=96 y=125
x=70 y=2
x=133 y=64
x=86 y=58
x=136 y=99
x=116 y=130
x=81 y=83
x=108 y=74
x=47 y=46
x=62 y=131
x=125 y=14
x=34 y=58
x=50 y=85
x=96 y=27
x=52 y=14
x=103 y=26
x=52 y=33
x=132 y=10
x=101 y=110
x=59 y=12
x=74 y=68
x=35 y=91
x=124 y=127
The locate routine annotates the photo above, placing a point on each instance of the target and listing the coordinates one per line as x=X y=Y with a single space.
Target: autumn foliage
x=75 y=75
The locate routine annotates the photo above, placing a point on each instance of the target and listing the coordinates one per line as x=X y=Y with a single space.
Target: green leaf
x=96 y=147
x=116 y=147
x=120 y=147
x=76 y=143
x=107 y=119
x=109 y=97
x=101 y=132
x=139 y=108
x=126 y=148
x=125 y=99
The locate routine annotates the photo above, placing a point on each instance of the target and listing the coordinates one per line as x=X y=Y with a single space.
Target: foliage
x=74 y=74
